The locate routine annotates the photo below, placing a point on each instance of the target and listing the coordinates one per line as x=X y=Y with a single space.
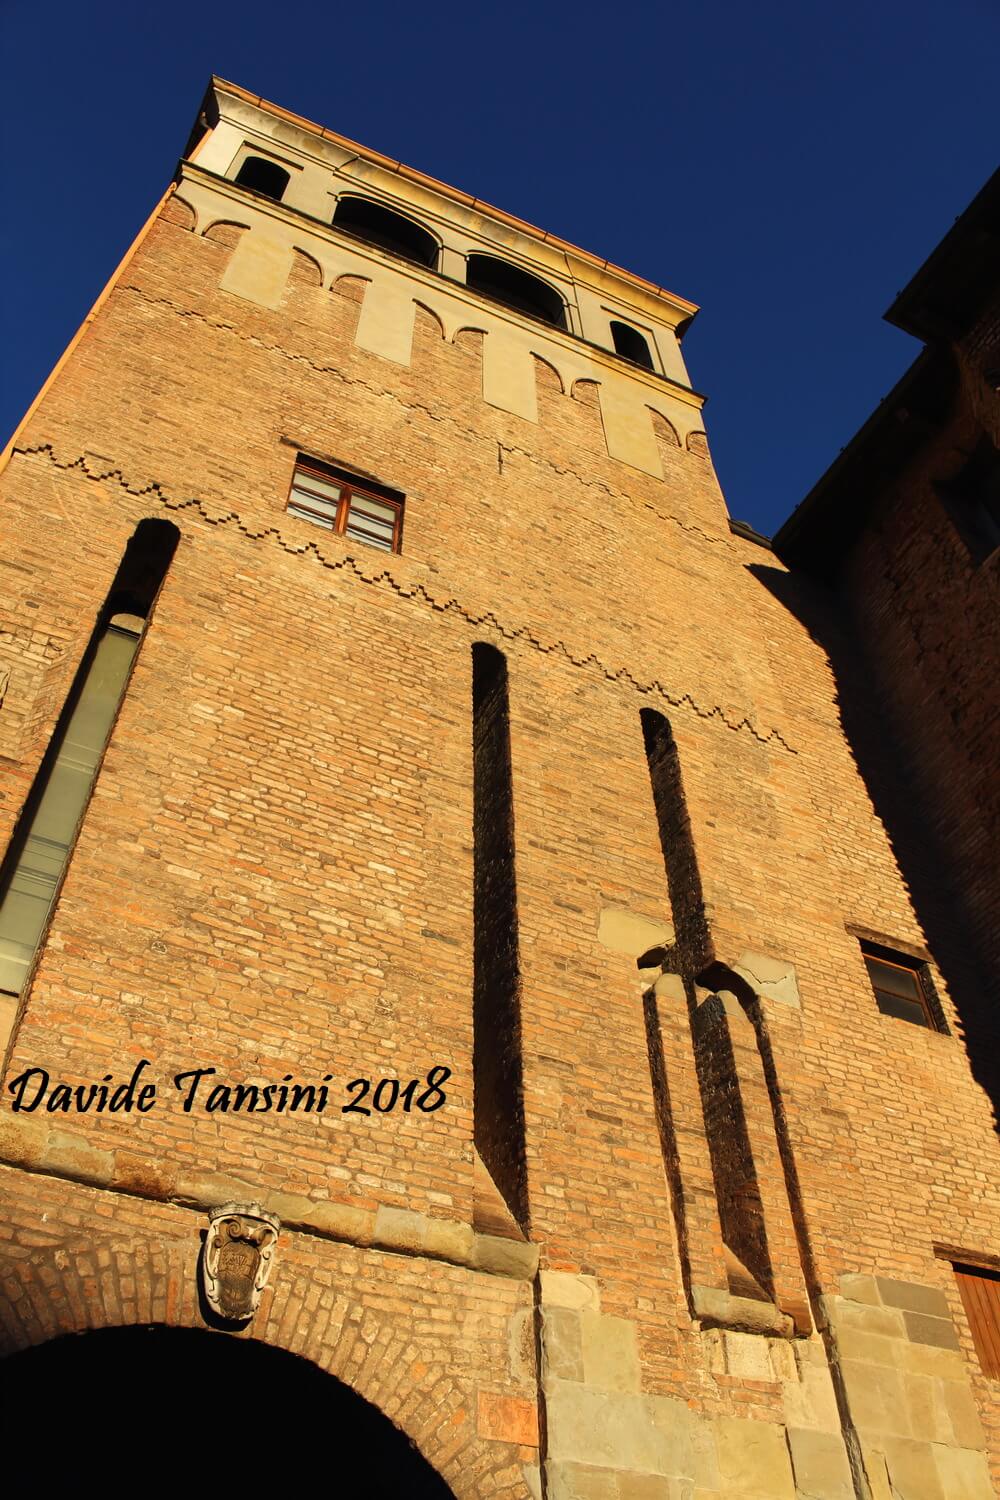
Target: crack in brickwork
x=418 y=406
x=418 y=591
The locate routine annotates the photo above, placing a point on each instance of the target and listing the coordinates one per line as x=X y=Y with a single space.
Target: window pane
x=312 y=516
x=24 y=907
x=895 y=980
x=311 y=484
x=370 y=538
x=897 y=1005
x=315 y=500
x=364 y=505
x=371 y=521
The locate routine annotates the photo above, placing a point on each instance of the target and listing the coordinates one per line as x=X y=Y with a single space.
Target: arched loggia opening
x=124 y=1402
x=264 y=177
x=371 y=221
x=630 y=344
x=502 y=282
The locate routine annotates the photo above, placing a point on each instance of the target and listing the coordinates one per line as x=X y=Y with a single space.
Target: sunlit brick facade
x=459 y=757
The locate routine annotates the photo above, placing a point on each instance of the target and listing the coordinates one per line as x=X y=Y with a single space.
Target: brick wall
x=275 y=876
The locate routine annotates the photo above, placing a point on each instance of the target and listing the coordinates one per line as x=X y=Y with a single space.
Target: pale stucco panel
x=258 y=270
x=670 y=353
x=628 y=426
x=509 y=372
x=219 y=149
x=385 y=326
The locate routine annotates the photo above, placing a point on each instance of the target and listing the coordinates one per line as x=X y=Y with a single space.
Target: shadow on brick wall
x=926 y=863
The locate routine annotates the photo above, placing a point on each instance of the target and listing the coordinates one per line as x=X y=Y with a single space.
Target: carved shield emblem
x=239 y=1251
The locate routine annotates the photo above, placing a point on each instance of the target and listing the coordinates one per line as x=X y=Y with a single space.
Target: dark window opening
x=902 y=987
x=143 y=568
x=515 y=288
x=381 y=226
x=630 y=344
x=974 y=500
x=734 y=1170
x=264 y=177
x=346 y=505
x=680 y=860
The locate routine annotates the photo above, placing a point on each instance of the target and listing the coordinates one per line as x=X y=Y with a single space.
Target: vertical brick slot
x=714 y=1035
x=498 y=1108
x=720 y=1027
x=694 y=942
x=683 y=1141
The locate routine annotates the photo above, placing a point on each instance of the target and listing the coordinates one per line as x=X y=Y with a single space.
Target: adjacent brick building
x=441 y=749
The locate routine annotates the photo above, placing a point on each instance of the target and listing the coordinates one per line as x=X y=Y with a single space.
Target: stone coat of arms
x=239 y=1250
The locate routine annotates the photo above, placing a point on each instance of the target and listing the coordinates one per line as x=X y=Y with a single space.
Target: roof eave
x=685 y=309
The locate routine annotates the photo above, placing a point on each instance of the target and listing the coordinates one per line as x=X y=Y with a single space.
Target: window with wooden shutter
x=352 y=507
x=980 y=1289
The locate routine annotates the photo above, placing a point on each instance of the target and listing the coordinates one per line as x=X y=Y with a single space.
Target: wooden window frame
x=350 y=487
x=919 y=971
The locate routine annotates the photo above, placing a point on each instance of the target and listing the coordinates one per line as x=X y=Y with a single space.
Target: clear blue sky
x=785 y=165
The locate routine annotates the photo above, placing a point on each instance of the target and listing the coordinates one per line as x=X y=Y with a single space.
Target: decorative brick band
x=101 y=470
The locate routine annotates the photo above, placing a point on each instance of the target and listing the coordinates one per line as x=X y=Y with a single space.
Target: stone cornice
x=584 y=263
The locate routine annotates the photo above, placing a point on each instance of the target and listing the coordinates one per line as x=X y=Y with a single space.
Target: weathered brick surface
x=274 y=875
x=924 y=611
x=74 y=1259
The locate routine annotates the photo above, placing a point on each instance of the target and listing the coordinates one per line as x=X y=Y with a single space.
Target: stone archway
x=128 y=1405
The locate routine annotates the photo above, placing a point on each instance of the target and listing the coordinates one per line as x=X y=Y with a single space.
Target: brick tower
x=459 y=992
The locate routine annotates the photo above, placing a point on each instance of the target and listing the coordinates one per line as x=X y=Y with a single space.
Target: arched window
x=381 y=226
x=516 y=288
x=264 y=177
x=630 y=344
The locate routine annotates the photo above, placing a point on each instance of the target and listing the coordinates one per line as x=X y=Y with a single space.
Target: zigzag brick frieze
x=386 y=392
x=416 y=591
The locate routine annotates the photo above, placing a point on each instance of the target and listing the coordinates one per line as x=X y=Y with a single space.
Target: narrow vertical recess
x=498 y=1109
x=40 y=849
x=668 y=1134
x=737 y=1192
x=693 y=939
